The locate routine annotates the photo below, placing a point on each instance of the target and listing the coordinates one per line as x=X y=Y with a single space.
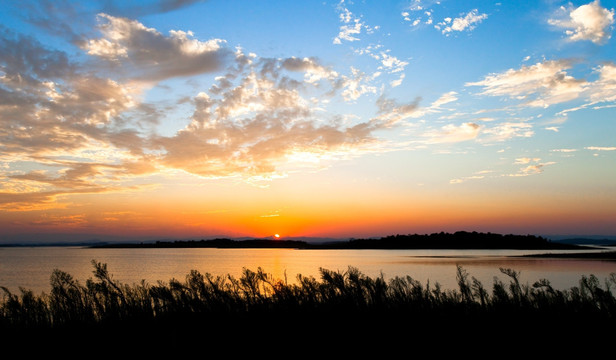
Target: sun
x=277 y=236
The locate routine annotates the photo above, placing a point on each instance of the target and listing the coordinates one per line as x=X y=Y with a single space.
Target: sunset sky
x=190 y=119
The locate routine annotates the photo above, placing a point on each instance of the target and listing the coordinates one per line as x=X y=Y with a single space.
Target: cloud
x=454 y=133
x=507 y=130
x=146 y=54
x=25 y=61
x=539 y=85
x=467 y=22
x=49 y=105
x=313 y=71
x=526 y=160
x=467 y=178
x=437 y=105
x=548 y=83
x=63 y=128
x=257 y=118
x=351 y=27
x=67 y=19
x=418 y=19
x=590 y=22
x=476 y=176
x=348 y=32
x=392 y=64
x=135 y=9
x=604 y=89
x=532 y=166
x=43 y=200
x=390 y=112
x=446 y=98
x=387 y=63
x=534 y=169
x=601 y=148
x=356 y=85
x=78 y=130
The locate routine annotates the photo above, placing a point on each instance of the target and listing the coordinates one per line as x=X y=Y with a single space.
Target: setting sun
x=277 y=236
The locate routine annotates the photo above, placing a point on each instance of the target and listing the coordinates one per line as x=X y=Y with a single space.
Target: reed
x=337 y=299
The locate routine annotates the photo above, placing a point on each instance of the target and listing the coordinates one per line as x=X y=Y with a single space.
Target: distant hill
x=457 y=240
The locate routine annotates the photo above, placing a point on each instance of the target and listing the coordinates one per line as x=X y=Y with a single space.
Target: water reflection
x=31 y=267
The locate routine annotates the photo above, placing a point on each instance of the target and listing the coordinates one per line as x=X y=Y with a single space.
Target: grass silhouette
x=338 y=305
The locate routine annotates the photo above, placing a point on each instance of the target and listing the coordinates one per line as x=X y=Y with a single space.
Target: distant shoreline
x=603 y=255
x=459 y=240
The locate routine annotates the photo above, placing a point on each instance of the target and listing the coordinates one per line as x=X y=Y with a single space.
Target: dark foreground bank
x=346 y=312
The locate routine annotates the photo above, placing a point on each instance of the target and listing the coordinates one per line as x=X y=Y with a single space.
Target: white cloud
x=454 y=133
x=351 y=26
x=349 y=32
x=397 y=82
x=446 y=98
x=356 y=85
x=463 y=23
x=590 y=22
x=601 y=148
x=604 y=89
x=526 y=160
x=392 y=63
x=437 y=105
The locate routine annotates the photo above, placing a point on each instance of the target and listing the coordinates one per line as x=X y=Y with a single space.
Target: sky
x=193 y=119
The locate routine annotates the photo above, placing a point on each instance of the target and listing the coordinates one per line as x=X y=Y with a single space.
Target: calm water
x=31 y=267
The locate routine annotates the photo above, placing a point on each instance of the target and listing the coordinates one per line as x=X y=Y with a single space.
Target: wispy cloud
x=564 y=150
x=507 y=130
x=601 y=148
x=540 y=85
x=531 y=166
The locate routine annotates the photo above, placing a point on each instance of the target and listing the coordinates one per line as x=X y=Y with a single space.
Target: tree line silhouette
x=442 y=240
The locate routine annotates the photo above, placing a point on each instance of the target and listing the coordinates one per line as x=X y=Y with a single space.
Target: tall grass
x=204 y=300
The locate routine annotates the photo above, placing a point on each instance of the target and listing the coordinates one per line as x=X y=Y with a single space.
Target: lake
x=31 y=267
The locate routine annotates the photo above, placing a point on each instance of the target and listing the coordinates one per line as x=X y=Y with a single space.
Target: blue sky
x=286 y=115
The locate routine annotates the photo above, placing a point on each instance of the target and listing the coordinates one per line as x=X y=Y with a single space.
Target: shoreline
x=607 y=254
x=460 y=240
